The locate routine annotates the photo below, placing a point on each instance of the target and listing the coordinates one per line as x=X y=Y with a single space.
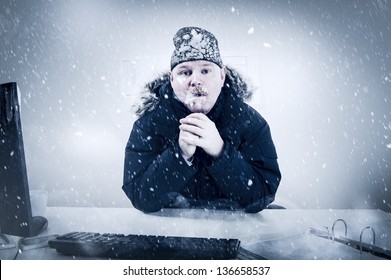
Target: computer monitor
x=15 y=215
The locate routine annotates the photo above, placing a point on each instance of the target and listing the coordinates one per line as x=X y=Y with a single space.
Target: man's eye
x=185 y=73
x=205 y=71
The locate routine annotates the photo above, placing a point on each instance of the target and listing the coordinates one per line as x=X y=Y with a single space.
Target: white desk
x=249 y=228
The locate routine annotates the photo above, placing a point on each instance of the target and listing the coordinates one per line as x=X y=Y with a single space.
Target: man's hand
x=197 y=130
x=188 y=150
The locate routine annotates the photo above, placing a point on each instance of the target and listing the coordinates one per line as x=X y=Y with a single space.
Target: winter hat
x=194 y=43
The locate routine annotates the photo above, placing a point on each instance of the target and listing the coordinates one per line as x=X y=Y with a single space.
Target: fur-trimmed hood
x=150 y=96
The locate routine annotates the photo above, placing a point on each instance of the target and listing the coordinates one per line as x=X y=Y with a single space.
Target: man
x=196 y=143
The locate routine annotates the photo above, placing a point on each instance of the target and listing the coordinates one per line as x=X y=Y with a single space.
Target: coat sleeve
x=151 y=171
x=249 y=172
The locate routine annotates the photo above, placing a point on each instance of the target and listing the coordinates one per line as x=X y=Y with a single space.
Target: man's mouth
x=199 y=93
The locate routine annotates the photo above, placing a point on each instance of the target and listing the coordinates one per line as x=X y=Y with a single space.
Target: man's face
x=197 y=84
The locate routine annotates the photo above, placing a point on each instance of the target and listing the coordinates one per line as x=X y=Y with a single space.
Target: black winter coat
x=245 y=176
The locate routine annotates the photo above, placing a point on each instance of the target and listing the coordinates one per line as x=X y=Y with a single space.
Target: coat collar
x=159 y=89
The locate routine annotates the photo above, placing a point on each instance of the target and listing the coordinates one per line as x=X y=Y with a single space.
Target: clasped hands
x=197 y=130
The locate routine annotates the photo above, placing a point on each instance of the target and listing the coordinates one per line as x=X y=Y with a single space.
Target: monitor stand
x=9 y=248
x=39 y=225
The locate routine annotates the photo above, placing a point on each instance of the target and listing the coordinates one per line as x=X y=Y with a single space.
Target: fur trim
x=151 y=96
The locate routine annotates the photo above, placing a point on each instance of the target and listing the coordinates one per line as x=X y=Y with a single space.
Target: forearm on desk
x=241 y=180
x=149 y=177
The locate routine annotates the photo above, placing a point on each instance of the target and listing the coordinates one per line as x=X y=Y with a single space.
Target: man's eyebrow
x=206 y=64
x=184 y=67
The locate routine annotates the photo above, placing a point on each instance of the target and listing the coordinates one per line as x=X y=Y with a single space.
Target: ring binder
x=358 y=245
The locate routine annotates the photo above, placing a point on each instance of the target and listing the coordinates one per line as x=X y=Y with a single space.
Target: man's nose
x=195 y=80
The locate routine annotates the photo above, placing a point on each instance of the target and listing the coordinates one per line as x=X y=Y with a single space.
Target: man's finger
x=191 y=129
x=191 y=139
x=193 y=121
x=199 y=116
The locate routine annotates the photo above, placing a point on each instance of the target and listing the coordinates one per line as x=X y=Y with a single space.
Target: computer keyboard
x=119 y=246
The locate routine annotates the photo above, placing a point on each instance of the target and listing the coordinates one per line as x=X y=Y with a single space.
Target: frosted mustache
x=193 y=95
x=197 y=92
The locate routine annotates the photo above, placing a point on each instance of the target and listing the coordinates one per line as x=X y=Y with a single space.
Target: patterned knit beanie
x=194 y=43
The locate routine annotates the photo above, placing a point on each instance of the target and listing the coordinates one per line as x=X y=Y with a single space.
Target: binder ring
x=332 y=229
x=373 y=235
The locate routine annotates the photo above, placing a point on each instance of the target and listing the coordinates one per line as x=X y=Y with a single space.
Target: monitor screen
x=15 y=215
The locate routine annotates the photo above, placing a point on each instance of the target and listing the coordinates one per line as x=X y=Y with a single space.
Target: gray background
x=321 y=69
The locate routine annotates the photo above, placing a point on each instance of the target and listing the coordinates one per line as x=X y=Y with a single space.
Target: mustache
x=198 y=92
